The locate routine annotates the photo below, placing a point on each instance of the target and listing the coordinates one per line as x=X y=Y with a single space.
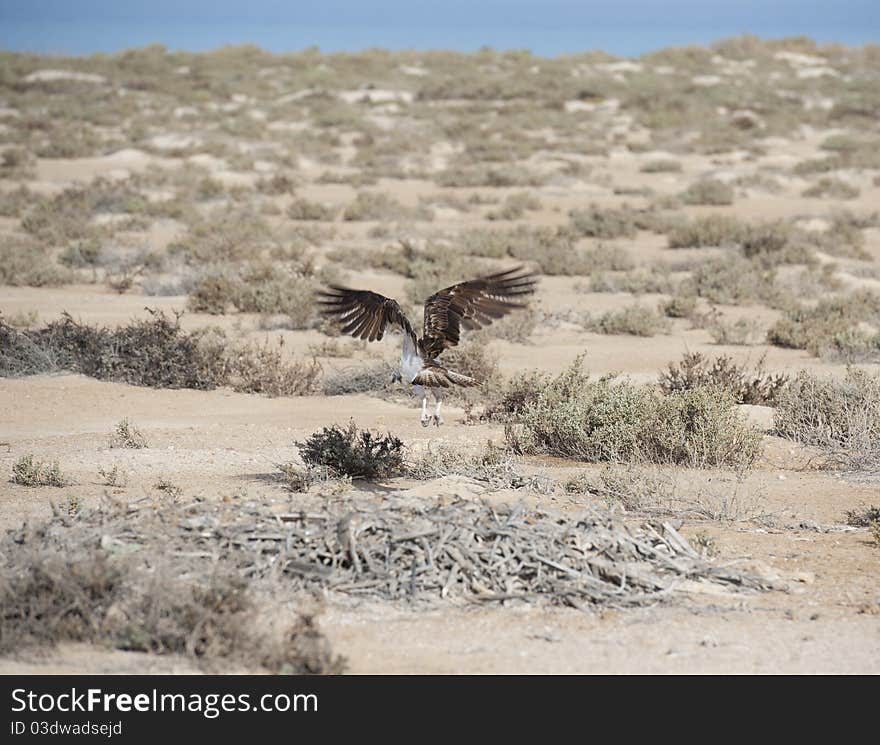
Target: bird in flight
x=466 y=305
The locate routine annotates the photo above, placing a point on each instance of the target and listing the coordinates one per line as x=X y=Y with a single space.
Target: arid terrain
x=705 y=224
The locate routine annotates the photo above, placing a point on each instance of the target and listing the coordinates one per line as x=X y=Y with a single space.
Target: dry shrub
x=605 y=223
x=661 y=166
x=831 y=188
x=371 y=205
x=155 y=353
x=732 y=280
x=515 y=206
x=492 y=465
x=262 y=368
x=126 y=435
x=484 y=175
x=373 y=378
x=655 y=279
x=637 y=320
x=679 y=306
x=71 y=590
x=831 y=322
x=357 y=454
x=260 y=288
x=842 y=417
x=28 y=471
x=864 y=517
x=24 y=262
x=711 y=230
x=741 y=332
x=226 y=236
x=14 y=202
x=515 y=327
x=746 y=386
x=512 y=397
x=304 y=209
x=607 y=420
x=709 y=192
x=475 y=358
x=657 y=491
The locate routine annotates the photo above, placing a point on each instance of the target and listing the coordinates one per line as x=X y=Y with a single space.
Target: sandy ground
x=226 y=445
x=222 y=444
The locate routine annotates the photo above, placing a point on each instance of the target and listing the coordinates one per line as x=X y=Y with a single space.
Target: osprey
x=470 y=305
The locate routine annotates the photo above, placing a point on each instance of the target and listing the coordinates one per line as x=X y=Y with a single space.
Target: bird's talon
x=425 y=422
x=438 y=420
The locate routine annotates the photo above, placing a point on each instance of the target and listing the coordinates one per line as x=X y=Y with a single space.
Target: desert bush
x=377 y=205
x=28 y=471
x=637 y=320
x=226 y=236
x=492 y=465
x=741 y=332
x=864 y=517
x=711 y=230
x=486 y=175
x=262 y=368
x=259 y=288
x=604 y=223
x=126 y=435
x=654 y=279
x=515 y=206
x=816 y=328
x=373 y=378
x=661 y=166
x=598 y=420
x=304 y=209
x=358 y=454
x=26 y=263
x=510 y=398
x=14 y=202
x=708 y=192
x=839 y=416
x=476 y=359
x=516 y=327
x=831 y=188
x=65 y=592
x=746 y=386
x=679 y=306
x=732 y=280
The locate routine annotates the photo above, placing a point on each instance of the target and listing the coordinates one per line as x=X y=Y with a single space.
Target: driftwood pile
x=402 y=548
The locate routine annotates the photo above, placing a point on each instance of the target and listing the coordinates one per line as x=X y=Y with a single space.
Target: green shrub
x=358 y=454
x=637 y=320
x=607 y=420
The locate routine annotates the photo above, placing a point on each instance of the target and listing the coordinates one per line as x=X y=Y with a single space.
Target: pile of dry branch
x=403 y=548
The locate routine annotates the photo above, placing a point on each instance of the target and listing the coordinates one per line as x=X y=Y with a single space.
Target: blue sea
x=548 y=28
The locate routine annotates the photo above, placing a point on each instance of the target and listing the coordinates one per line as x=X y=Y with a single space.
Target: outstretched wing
x=363 y=314
x=472 y=305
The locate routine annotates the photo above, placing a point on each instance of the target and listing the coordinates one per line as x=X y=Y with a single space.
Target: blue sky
x=546 y=27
